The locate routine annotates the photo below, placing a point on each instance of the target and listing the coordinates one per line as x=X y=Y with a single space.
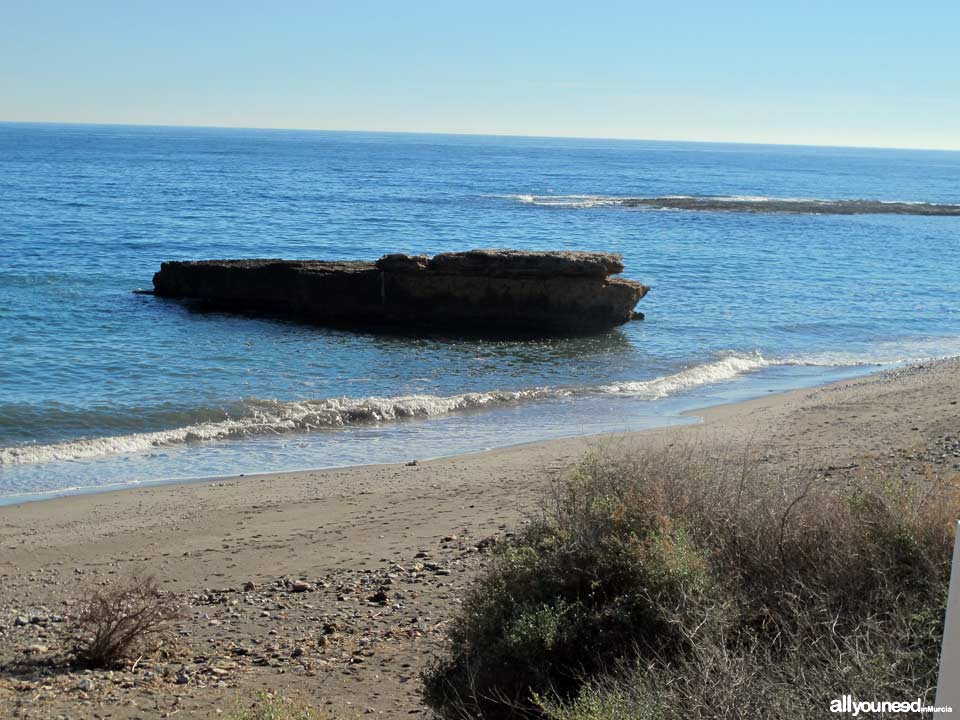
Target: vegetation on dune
x=685 y=583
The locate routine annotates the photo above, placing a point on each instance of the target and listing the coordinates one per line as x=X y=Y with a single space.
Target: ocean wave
x=726 y=368
x=271 y=417
x=268 y=417
x=745 y=203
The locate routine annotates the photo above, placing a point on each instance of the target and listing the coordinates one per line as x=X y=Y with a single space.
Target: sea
x=771 y=268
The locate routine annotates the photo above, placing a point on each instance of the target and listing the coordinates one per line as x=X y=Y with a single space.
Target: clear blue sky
x=834 y=73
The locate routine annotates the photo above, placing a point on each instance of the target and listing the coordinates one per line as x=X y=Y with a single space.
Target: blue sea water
x=100 y=386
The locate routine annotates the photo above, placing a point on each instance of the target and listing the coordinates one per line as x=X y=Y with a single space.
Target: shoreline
x=133 y=486
x=348 y=531
x=723 y=417
x=662 y=420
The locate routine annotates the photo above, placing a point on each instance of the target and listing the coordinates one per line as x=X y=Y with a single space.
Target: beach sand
x=352 y=532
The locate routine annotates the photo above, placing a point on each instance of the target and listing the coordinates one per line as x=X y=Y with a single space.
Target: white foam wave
x=727 y=368
x=267 y=417
x=273 y=417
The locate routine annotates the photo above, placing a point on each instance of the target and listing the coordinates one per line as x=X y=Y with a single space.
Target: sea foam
x=270 y=417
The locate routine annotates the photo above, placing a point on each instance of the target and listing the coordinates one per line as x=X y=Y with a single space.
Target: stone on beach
x=299 y=586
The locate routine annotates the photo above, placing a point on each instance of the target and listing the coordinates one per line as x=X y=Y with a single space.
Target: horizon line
x=471 y=134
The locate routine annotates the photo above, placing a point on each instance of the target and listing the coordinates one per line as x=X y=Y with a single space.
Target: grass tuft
x=276 y=706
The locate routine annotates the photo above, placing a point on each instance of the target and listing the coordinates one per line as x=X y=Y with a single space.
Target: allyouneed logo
x=849 y=706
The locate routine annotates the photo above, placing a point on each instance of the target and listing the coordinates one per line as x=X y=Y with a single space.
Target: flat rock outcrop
x=493 y=291
x=510 y=263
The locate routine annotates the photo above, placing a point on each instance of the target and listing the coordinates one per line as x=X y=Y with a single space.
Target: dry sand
x=351 y=533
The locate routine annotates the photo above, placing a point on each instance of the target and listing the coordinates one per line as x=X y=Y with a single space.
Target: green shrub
x=688 y=583
x=276 y=706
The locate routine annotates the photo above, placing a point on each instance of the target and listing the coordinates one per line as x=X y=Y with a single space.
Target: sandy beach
x=336 y=584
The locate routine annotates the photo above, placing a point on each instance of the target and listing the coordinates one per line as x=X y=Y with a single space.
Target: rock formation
x=493 y=291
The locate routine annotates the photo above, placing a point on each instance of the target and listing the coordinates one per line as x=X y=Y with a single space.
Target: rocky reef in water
x=492 y=291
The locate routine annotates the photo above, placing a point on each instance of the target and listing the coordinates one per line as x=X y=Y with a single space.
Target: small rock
x=412 y=463
x=299 y=586
x=380 y=596
x=85 y=685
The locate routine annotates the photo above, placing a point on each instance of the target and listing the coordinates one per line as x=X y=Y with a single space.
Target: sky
x=845 y=72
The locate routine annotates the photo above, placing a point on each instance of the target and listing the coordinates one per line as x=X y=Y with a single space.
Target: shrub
x=123 y=619
x=276 y=706
x=687 y=582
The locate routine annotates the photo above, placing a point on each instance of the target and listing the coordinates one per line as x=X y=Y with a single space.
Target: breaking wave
x=725 y=369
x=270 y=417
x=748 y=204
